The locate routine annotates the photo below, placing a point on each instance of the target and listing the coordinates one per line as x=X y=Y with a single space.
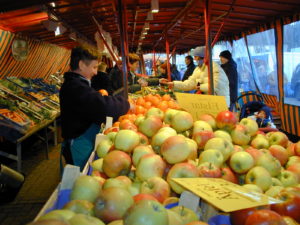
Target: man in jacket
x=199 y=78
x=229 y=66
x=83 y=109
x=189 y=62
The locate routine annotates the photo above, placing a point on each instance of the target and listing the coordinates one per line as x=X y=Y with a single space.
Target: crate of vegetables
x=18 y=119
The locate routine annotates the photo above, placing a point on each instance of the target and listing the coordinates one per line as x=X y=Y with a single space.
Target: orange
x=148 y=105
x=139 y=109
x=148 y=97
x=116 y=124
x=163 y=105
x=166 y=97
x=103 y=92
x=140 y=101
x=155 y=100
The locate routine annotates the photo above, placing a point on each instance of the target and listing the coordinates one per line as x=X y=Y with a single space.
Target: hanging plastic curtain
x=218 y=48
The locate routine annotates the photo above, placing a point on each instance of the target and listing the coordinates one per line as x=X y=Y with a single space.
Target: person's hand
x=163 y=81
x=143 y=82
x=171 y=85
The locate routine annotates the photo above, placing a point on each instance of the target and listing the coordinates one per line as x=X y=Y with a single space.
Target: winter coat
x=200 y=75
x=116 y=79
x=101 y=81
x=231 y=72
x=81 y=106
x=189 y=71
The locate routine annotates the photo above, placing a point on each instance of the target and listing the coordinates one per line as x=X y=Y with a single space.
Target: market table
x=45 y=124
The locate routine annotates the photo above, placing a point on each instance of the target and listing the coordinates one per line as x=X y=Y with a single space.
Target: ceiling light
x=154 y=6
x=142 y=37
x=60 y=29
x=57 y=31
x=147 y=27
x=144 y=32
x=52 y=4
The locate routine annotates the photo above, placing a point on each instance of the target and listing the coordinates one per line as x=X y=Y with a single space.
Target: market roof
x=181 y=20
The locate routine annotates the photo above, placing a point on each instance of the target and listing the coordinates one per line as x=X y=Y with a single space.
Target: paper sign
x=223 y=194
x=198 y=105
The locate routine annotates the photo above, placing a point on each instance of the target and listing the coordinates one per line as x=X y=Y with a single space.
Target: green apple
x=159 y=138
x=260 y=176
x=213 y=156
x=241 y=162
x=139 y=151
x=126 y=140
x=187 y=215
x=223 y=134
x=201 y=126
x=292 y=160
x=260 y=141
x=174 y=218
x=80 y=206
x=155 y=112
x=288 y=178
x=278 y=138
x=85 y=188
x=169 y=115
x=182 y=121
x=270 y=163
x=251 y=126
x=224 y=146
x=97 y=165
x=81 y=219
x=103 y=147
x=240 y=135
x=276 y=182
x=111 y=136
x=58 y=214
x=193 y=148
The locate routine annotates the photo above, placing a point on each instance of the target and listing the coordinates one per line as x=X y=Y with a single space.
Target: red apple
x=127 y=125
x=150 y=125
x=280 y=153
x=112 y=204
x=226 y=120
x=254 y=153
x=143 y=196
x=297 y=148
x=202 y=137
x=239 y=217
x=278 y=138
x=209 y=170
x=296 y=169
x=157 y=187
x=265 y=217
x=228 y=174
x=210 y=119
x=116 y=163
x=292 y=160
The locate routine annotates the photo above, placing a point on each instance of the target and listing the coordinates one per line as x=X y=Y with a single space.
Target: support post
x=168 y=59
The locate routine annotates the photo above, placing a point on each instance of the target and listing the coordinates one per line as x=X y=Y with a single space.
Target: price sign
x=223 y=194
x=198 y=105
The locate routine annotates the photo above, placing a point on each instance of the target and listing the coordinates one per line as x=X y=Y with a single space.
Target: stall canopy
x=181 y=21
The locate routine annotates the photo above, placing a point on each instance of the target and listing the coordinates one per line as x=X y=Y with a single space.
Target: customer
x=199 y=78
x=101 y=80
x=83 y=109
x=189 y=62
x=116 y=76
x=229 y=66
x=175 y=74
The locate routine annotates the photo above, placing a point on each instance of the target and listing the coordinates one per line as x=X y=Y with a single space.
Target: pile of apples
x=131 y=181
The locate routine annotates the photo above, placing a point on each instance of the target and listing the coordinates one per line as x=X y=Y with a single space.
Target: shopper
x=229 y=66
x=175 y=74
x=199 y=78
x=116 y=76
x=189 y=62
x=101 y=80
x=83 y=109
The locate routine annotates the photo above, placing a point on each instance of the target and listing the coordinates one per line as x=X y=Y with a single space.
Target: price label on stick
x=198 y=105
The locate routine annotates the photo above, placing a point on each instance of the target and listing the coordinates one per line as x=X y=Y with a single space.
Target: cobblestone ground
x=41 y=178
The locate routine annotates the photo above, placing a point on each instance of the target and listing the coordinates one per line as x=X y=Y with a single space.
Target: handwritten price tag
x=223 y=194
x=198 y=105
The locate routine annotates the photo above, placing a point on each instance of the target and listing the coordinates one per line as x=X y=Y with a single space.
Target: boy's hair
x=78 y=54
x=133 y=58
x=102 y=66
x=267 y=111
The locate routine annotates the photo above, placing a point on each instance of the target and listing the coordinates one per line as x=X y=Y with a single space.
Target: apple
x=143 y=196
x=276 y=182
x=116 y=163
x=254 y=153
x=97 y=165
x=169 y=114
x=182 y=121
x=278 y=138
x=225 y=147
x=103 y=147
x=292 y=160
x=116 y=222
x=112 y=204
x=237 y=148
x=296 y=169
x=209 y=170
x=260 y=141
x=181 y=170
x=201 y=126
x=269 y=163
x=49 y=222
x=139 y=151
x=279 y=153
x=143 y=139
x=85 y=188
x=155 y=112
x=150 y=125
x=210 y=119
x=114 y=182
x=226 y=120
x=229 y=175
x=290 y=221
x=80 y=206
x=273 y=191
x=139 y=119
x=223 y=134
x=239 y=217
x=126 y=140
x=241 y=162
x=297 y=148
x=81 y=219
x=290 y=148
x=110 y=130
x=240 y=135
x=290 y=205
x=187 y=215
x=170 y=200
x=175 y=149
x=174 y=218
x=135 y=187
x=58 y=214
x=250 y=125
x=260 y=176
x=112 y=136
x=150 y=165
x=202 y=137
x=159 y=138
x=264 y=217
x=146 y=212
x=288 y=178
x=193 y=149
x=127 y=125
x=213 y=156
x=157 y=187
x=252 y=187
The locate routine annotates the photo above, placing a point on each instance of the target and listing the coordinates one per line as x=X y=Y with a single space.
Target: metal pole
x=168 y=59
x=121 y=7
x=208 y=54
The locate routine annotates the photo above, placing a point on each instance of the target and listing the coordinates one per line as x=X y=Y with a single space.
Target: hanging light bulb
x=147 y=27
x=57 y=31
x=154 y=6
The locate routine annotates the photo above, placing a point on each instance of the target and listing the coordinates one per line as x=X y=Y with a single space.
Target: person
x=230 y=68
x=83 y=109
x=263 y=118
x=189 y=62
x=199 y=78
x=295 y=82
x=116 y=76
x=101 y=80
x=175 y=74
